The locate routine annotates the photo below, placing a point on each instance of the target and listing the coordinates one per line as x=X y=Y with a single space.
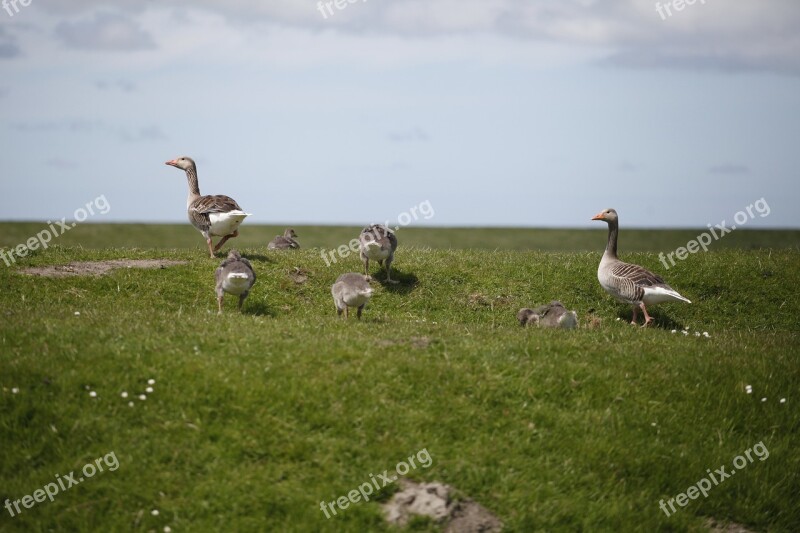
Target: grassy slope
x=258 y=417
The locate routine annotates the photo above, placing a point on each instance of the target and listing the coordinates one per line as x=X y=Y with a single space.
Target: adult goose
x=236 y=276
x=214 y=216
x=351 y=290
x=631 y=284
x=285 y=242
x=377 y=242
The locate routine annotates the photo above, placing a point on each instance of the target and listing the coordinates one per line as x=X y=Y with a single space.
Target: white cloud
x=105 y=31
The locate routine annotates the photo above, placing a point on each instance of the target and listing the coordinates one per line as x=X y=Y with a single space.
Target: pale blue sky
x=498 y=112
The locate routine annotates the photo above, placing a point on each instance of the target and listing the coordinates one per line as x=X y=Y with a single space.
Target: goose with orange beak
x=628 y=283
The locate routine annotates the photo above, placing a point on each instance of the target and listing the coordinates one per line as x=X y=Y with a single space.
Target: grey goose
x=213 y=216
x=628 y=283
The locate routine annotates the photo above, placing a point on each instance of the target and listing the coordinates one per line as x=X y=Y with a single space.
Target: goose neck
x=611 y=246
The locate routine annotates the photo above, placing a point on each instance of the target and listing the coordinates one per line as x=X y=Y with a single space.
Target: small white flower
x=142 y=397
x=617 y=319
x=130 y=404
x=154 y=512
x=763 y=399
x=653 y=424
x=93 y=394
x=124 y=394
x=685 y=332
x=167 y=529
x=149 y=390
x=151 y=381
x=705 y=334
x=696 y=333
x=674 y=331
x=14 y=390
x=77 y=313
x=783 y=400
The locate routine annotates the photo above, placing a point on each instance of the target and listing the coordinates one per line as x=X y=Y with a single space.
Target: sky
x=495 y=112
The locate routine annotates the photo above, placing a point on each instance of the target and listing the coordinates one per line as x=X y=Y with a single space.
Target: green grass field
x=258 y=417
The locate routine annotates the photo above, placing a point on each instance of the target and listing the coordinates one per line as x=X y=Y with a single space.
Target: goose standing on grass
x=351 y=290
x=377 y=242
x=285 y=242
x=236 y=276
x=629 y=283
x=217 y=216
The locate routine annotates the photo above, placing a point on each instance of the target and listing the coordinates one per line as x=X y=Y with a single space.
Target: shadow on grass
x=407 y=281
x=660 y=320
x=257 y=309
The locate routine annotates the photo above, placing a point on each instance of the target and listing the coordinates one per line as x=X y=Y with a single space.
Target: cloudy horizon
x=497 y=112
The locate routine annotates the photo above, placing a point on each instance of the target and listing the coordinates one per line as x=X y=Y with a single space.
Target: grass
x=165 y=236
x=257 y=417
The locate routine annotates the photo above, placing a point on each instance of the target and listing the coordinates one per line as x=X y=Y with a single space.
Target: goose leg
x=225 y=238
x=241 y=300
x=647 y=318
x=366 y=268
x=210 y=247
x=360 y=308
x=635 y=316
x=346 y=312
x=219 y=304
x=389 y=271
x=338 y=311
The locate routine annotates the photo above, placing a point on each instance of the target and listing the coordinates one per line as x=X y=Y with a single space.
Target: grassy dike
x=257 y=417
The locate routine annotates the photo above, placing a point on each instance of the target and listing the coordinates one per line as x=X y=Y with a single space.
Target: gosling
x=236 y=276
x=351 y=290
x=286 y=241
x=552 y=315
x=377 y=242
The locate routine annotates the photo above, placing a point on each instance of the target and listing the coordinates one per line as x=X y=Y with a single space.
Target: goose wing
x=218 y=203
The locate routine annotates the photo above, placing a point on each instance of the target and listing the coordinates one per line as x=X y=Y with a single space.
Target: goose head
x=289 y=233
x=606 y=215
x=183 y=163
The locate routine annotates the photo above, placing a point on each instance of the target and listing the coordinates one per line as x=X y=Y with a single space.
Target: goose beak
x=172 y=163
x=598 y=216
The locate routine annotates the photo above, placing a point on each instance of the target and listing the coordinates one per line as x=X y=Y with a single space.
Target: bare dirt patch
x=299 y=275
x=434 y=500
x=97 y=268
x=716 y=526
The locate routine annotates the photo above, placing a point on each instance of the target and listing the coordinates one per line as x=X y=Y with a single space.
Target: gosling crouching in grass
x=552 y=315
x=236 y=276
x=377 y=242
x=287 y=241
x=351 y=290
x=629 y=283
